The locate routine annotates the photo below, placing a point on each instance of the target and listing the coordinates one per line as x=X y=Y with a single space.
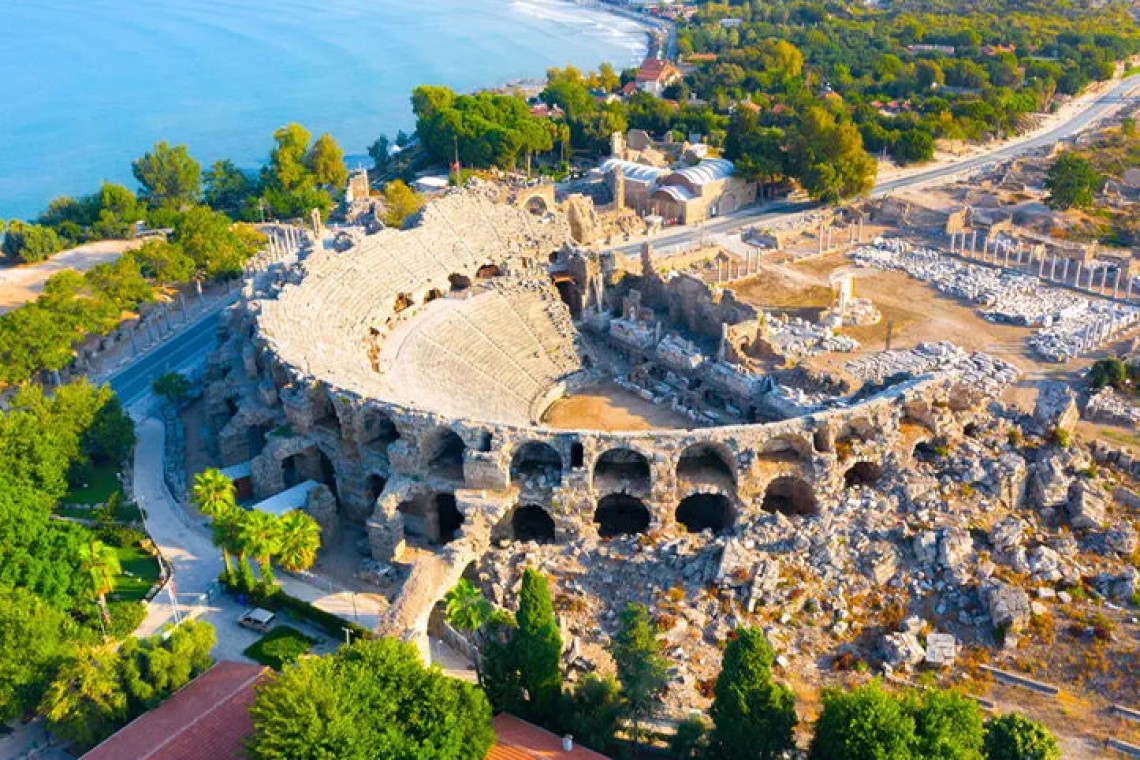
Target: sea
x=86 y=86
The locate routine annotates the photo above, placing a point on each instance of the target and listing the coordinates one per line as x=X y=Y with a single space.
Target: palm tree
x=101 y=564
x=300 y=540
x=467 y=608
x=214 y=496
x=260 y=535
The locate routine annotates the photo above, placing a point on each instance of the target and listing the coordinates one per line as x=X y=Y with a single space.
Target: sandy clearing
x=22 y=283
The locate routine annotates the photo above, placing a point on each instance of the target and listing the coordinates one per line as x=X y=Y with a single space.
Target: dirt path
x=23 y=283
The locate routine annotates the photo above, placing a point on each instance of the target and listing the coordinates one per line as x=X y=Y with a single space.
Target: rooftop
x=519 y=740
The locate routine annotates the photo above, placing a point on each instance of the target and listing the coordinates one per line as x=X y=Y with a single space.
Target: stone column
x=1077 y=277
x=1065 y=271
x=1116 y=284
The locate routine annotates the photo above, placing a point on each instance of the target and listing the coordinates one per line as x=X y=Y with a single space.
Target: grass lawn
x=281 y=646
x=103 y=482
x=143 y=572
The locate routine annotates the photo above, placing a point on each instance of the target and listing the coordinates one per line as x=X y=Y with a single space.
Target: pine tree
x=754 y=716
x=641 y=669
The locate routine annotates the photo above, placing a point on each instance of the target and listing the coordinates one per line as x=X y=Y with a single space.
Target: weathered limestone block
x=321 y=506
x=1056 y=407
x=1087 y=509
x=482 y=470
x=1008 y=606
x=1049 y=484
x=941 y=649
x=926 y=548
x=902 y=650
x=1121 y=539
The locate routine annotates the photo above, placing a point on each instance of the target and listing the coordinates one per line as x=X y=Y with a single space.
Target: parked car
x=258 y=619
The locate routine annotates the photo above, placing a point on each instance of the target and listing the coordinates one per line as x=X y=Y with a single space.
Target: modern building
x=656 y=74
x=682 y=196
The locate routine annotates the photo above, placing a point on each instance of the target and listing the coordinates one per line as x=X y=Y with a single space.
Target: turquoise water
x=88 y=85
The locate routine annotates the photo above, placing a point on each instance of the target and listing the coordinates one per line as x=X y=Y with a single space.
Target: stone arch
x=620 y=514
x=378 y=431
x=374 y=485
x=536 y=205
x=536 y=461
x=530 y=522
x=706 y=463
x=785 y=448
x=443 y=454
x=790 y=495
x=403 y=301
x=458 y=282
x=706 y=511
x=862 y=473
x=577 y=455
x=859 y=429
x=433 y=517
x=487 y=271
x=432 y=294
x=727 y=204
x=622 y=469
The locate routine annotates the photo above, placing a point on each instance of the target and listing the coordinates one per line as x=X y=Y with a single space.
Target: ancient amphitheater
x=399 y=381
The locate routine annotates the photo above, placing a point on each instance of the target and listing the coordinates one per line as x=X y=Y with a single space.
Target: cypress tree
x=753 y=715
x=537 y=647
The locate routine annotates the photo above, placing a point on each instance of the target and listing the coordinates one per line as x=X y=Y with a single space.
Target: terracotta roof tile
x=519 y=740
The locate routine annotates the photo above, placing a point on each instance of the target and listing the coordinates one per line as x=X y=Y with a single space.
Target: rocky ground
x=997 y=546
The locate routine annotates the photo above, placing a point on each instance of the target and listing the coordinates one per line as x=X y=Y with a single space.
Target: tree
x=101 y=565
x=1015 y=737
x=213 y=242
x=227 y=187
x=287 y=168
x=828 y=157
x=173 y=386
x=300 y=540
x=690 y=741
x=641 y=670
x=260 y=535
x=913 y=146
x=400 y=201
x=214 y=496
x=29 y=243
x=1110 y=371
x=753 y=716
x=865 y=723
x=593 y=711
x=164 y=263
x=372 y=700
x=1072 y=182
x=169 y=176
x=467 y=608
x=111 y=434
x=325 y=160
x=537 y=646
x=380 y=152
x=948 y=726
x=37 y=639
x=86 y=702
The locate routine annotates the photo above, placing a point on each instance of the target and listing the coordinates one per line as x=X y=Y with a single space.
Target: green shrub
x=280 y=647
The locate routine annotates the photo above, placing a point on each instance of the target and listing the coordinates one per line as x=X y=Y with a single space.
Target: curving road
x=132 y=382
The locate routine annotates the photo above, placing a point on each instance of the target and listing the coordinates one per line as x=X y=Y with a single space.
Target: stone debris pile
x=1068 y=325
x=978 y=369
x=797 y=338
x=1109 y=406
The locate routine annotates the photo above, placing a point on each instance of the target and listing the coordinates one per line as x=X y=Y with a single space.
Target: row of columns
x=854 y=235
x=1055 y=269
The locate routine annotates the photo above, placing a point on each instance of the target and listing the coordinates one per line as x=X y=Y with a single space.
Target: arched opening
x=403 y=301
x=706 y=511
x=328 y=472
x=620 y=515
x=821 y=440
x=459 y=282
x=373 y=487
x=486 y=441
x=256 y=437
x=972 y=430
x=925 y=451
x=862 y=474
x=487 y=271
x=379 y=432
x=568 y=292
x=536 y=205
x=577 y=455
x=622 y=470
x=532 y=523
x=537 y=465
x=432 y=518
x=784 y=449
x=790 y=496
x=289 y=475
x=432 y=294
x=703 y=463
x=445 y=455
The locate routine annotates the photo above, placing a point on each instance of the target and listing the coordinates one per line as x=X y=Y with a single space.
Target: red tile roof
x=519 y=740
x=657 y=70
x=207 y=718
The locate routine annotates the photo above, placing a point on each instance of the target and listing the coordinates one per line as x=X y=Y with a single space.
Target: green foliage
x=172 y=386
x=948 y=726
x=325 y=161
x=30 y=243
x=169 y=176
x=111 y=435
x=260 y=535
x=467 y=608
x=690 y=740
x=227 y=188
x=1072 y=182
x=753 y=716
x=1110 y=371
x=300 y=540
x=865 y=723
x=1015 y=737
x=499 y=673
x=280 y=647
x=592 y=712
x=537 y=646
x=641 y=670
x=828 y=158
x=217 y=247
x=374 y=700
x=164 y=263
x=37 y=639
x=400 y=201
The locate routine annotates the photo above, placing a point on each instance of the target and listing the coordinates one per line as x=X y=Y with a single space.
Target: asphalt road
x=1125 y=90
x=133 y=381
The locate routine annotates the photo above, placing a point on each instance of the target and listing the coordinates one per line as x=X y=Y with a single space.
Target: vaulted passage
x=487 y=271
x=862 y=474
x=619 y=515
x=622 y=470
x=703 y=463
x=445 y=455
x=790 y=496
x=378 y=431
x=706 y=511
x=373 y=487
x=532 y=523
x=431 y=518
x=537 y=465
x=459 y=282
